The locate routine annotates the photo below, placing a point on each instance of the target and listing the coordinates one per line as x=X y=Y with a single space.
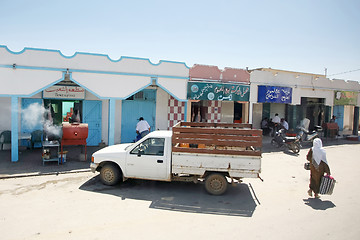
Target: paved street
x=78 y=206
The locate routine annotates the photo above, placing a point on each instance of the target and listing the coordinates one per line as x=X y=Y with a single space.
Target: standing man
x=276 y=122
x=276 y=119
x=142 y=127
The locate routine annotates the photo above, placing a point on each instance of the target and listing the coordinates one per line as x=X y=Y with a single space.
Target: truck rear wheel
x=110 y=174
x=216 y=184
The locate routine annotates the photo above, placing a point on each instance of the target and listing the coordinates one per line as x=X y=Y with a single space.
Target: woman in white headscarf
x=318 y=166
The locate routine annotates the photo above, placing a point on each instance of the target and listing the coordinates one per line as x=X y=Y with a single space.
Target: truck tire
x=216 y=184
x=110 y=174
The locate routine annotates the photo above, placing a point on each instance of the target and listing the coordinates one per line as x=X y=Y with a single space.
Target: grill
x=74 y=134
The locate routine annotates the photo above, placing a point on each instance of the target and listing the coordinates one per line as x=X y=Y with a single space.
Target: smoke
x=52 y=130
x=35 y=115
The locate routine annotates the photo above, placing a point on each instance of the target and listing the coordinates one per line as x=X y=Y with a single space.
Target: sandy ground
x=78 y=206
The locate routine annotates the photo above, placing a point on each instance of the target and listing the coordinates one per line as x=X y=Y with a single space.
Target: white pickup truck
x=191 y=152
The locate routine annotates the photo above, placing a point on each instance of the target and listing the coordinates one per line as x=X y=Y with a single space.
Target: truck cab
x=149 y=158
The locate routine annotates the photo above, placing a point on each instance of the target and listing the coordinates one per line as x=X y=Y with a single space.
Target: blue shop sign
x=274 y=94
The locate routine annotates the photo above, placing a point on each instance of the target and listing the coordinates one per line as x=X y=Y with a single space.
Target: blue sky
x=303 y=36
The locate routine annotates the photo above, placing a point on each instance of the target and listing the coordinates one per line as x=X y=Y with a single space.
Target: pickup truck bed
x=218 y=147
x=190 y=152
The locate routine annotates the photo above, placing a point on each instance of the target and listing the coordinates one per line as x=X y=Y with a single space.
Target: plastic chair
x=36 y=139
x=5 y=138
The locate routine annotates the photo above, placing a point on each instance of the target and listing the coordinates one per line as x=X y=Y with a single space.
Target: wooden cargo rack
x=217 y=138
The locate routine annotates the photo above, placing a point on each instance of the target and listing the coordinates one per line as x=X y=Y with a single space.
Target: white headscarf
x=319 y=153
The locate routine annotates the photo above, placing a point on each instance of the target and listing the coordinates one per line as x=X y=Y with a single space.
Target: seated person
x=284 y=124
x=265 y=126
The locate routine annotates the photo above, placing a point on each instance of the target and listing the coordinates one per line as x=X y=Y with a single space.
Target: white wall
x=303 y=85
x=348 y=117
x=113 y=73
x=227 y=112
x=257 y=115
x=5 y=113
x=162 y=99
x=313 y=93
x=105 y=121
x=277 y=108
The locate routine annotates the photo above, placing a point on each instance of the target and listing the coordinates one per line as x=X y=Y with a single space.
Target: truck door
x=148 y=160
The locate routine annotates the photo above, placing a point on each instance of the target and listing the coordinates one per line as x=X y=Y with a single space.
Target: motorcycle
x=306 y=136
x=281 y=140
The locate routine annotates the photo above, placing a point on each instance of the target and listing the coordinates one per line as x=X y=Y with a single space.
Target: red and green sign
x=345 y=98
x=218 y=91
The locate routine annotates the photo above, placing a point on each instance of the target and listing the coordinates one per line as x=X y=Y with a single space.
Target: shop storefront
x=218 y=95
x=346 y=111
x=109 y=95
x=292 y=95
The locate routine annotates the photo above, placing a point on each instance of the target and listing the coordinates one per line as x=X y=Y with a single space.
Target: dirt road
x=78 y=206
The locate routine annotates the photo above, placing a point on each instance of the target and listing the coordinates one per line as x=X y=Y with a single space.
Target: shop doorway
x=314 y=110
x=92 y=116
x=142 y=104
x=198 y=111
x=238 y=112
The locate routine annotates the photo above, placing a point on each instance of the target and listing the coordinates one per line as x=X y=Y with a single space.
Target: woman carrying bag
x=318 y=166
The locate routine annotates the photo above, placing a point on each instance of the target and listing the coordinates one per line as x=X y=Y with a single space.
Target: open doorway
x=63 y=110
x=238 y=109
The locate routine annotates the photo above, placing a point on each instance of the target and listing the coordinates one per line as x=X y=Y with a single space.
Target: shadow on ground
x=179 y=196
x=318 y=204
x=30 y=161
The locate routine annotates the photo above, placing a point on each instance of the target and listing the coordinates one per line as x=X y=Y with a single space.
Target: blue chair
x=5 y=138
x=36 y=139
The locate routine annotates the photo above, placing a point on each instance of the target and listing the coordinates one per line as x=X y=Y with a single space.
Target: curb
x=44 y=174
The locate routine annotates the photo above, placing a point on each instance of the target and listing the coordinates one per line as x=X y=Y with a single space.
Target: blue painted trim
x=91 y=71
x=87 y=89
x=127 y=74
x=93 y=54
x=167 y=91
x=14 y=129
x=111 y=128
x=185 y=116
x=139 y=90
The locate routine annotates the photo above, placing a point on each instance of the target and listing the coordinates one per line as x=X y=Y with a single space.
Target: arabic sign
x=64 y=92
x=218 y=91
x=345 y=98
x=274 y=94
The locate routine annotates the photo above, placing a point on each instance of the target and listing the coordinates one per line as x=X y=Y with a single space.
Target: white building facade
x=111 y=95
x=308 y=95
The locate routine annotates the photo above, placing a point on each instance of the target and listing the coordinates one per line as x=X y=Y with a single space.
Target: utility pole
x=325 y=72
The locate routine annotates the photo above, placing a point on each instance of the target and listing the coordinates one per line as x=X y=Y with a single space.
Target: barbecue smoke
x=36 y=114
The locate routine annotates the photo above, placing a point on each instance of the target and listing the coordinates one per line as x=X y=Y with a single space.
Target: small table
x=51 y=144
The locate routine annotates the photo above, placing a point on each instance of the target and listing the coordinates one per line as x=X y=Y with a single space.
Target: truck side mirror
x=141 y=152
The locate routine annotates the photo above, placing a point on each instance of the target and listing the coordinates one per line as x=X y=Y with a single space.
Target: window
x=151 y=146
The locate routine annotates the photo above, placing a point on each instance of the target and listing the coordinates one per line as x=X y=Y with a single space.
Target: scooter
x=306 y=136
x=281 y=140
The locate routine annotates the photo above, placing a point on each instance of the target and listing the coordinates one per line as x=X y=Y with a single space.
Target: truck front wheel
x=110 y=174
x=216 y=184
